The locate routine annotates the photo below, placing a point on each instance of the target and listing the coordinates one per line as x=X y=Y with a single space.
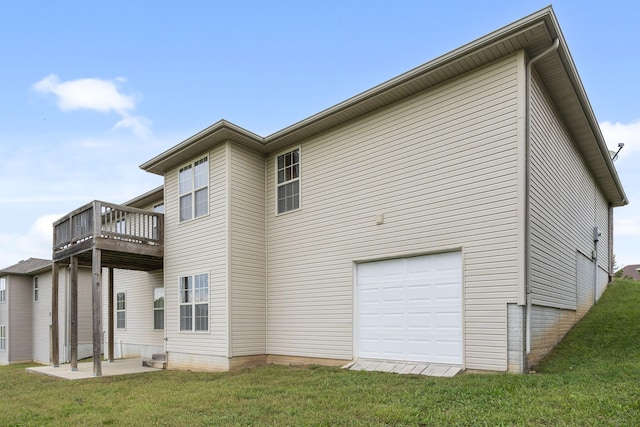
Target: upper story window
x=121 y=314
x=3 y=289
x=193 y=183
x=194 y=303
x=288 y=186
x=35 y=288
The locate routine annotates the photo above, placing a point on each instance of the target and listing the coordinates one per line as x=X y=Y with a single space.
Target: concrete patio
x=85 y=369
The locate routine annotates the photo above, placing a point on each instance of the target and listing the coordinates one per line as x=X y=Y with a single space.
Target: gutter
x=527 y=244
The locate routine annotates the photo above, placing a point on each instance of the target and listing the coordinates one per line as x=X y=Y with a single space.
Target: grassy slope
x=592 y=378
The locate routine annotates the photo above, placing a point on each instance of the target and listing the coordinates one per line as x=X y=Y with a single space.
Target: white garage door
x=410 y=309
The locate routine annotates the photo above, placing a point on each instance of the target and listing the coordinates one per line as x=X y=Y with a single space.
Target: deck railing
x=108 y=221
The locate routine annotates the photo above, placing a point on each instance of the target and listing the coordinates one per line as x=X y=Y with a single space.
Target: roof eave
x=533 y=33
x=147 y=198
x=215 y=134
x=596 y=155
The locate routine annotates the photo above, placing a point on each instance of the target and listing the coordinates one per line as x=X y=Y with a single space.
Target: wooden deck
x=129 y=238
x=101 y=235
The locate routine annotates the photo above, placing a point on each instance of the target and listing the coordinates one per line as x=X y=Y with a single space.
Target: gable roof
x=534 y=33
x=28 y=267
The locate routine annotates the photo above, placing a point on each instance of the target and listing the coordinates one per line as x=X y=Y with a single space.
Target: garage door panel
x=411 y=309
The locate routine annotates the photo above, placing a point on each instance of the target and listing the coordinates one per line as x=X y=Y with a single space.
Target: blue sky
x=89 y=91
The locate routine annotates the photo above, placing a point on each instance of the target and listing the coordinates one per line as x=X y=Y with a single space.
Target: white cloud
x=36 y=243
x=97 y=95
x=628 y=227
x=90 y=94
x=139 y=125
x=626 y=133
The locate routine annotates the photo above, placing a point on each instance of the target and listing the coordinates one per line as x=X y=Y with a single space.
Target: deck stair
x=158 y=361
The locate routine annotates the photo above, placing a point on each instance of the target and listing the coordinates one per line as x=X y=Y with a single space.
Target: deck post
x=74 y=313
x=96 y=268
x=111 y=320
x=55 y=340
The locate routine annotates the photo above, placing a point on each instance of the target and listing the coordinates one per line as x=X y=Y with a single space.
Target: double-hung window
x=121 y=314
x=3 y=337
x=288 y=177
x=193 y=186
x=158 y=308
x=3 y=289
x=35 y=288
x=194 y=303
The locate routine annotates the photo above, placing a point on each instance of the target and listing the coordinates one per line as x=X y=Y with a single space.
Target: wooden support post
x=74 y=313
x=96 y=268
x=111 y=320
x=55 y=339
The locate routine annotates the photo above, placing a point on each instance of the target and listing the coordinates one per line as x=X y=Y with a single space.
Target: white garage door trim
x=410 y=309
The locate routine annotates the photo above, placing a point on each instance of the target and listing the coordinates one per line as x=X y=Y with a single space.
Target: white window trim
x=3 y=289
x=124 y=310
x=193 y=304
x=299 y=179
x=164 y=320
x=3 y=337
x=192 y=164
x=36 y=289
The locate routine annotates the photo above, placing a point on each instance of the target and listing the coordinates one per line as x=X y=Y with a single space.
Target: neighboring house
x=25 y=313
x=631 y=271
x=460 y=214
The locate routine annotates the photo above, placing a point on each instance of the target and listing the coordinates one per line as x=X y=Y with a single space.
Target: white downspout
x=550 y=49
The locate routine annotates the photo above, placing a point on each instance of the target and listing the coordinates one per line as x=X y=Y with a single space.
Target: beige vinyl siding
x=4 y=320
x=442 y=168
x=42 y=319
x=20 y=325
x=565 y=206
x=198 y=246
x=247 y=252
x=85 y=315
x=63 y=314
x=42 y=316
x=138 y=338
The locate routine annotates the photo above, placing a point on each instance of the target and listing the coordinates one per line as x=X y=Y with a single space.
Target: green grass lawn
x=592 y=378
